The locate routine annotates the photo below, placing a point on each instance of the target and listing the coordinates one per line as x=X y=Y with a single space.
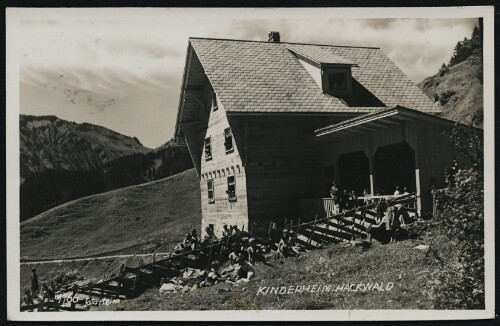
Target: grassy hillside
x=129 y=220
x=409 y=269
x=459 y=90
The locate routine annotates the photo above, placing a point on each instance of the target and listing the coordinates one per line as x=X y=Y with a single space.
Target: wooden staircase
x=347 y=226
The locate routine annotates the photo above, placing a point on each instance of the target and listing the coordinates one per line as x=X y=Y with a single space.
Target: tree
x=466 y=47
x=460 y=285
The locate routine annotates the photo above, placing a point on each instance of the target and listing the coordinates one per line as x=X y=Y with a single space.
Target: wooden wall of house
x=282 y=163
x=218 y=169
x=436 y=153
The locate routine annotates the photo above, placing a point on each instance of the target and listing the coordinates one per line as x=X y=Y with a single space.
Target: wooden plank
x=328 y=236
x=337 y=234
x=348 y=230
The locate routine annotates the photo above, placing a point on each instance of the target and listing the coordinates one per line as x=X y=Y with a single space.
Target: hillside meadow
x=402 y=272
x=137 y=219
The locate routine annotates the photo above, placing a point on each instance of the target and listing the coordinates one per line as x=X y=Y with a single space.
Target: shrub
x=443 y=70
x=459 y=284
x=445 y=96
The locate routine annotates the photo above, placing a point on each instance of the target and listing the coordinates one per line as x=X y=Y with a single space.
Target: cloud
x=379 y=23
x=126 y=74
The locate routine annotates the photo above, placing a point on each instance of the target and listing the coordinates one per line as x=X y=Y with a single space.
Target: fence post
x=353 y=223
x=136 y=281
x=153 y=265
x=102 y=285
x=313 y=229
x=120 y=279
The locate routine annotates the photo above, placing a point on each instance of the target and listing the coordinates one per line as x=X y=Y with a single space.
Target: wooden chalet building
x=269 y=124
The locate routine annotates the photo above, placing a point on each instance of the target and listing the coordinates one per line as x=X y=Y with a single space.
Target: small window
x=231 y=188
x=214 y=102
x=337 y=81
x=210 y=188
x=228 y=142
x=208 y=149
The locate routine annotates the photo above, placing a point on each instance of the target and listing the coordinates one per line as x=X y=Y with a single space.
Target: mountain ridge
x=48 y=142
x=458 y=85
x=62 y=161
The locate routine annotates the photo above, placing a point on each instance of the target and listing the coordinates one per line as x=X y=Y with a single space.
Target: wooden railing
x=322 y=207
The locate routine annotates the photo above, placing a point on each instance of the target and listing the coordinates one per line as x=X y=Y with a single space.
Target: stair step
x=335 y=231
x=358 y=229
x=306 y=242
x=318 y=238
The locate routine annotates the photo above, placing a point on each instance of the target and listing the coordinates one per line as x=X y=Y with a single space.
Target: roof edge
x=253 y=41
x=317 y=62
x=383 y=113
x=180 y=105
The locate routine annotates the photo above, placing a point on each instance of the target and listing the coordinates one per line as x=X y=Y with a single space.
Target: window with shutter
x=228 y=140
x=231 y=188
x=208 y=149
x=210 y=188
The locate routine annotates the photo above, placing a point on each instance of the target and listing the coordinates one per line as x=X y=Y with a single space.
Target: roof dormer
x=336 y=79
x=331 y=72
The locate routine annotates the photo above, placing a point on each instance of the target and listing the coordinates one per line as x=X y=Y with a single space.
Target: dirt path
x=58 y=261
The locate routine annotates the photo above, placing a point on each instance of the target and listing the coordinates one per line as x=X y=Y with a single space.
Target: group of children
x=241 y=252
x=390 y=221
x=342 y=200
x=41 y=294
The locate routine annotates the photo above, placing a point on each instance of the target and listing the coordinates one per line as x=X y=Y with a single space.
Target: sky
x=125 y=74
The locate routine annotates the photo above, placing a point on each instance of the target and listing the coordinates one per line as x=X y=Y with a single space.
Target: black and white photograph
x=250 y=163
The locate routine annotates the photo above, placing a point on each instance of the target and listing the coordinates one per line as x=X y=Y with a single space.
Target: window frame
x=231 y=196
x=208 y=141
x=327 y=71
x=211 y=190
x=228 y=134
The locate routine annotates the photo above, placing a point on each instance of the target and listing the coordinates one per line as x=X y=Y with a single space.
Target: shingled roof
x=250 y=76
x=317 y=55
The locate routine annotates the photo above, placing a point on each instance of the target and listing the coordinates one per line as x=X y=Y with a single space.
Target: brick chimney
x=274 y=37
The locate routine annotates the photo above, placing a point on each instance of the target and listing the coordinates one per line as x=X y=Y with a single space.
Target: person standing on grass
x=34 y=282
x=394 y=212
